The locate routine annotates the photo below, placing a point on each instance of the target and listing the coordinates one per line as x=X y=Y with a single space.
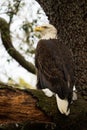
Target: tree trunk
x=70 y=19
x=31 y=109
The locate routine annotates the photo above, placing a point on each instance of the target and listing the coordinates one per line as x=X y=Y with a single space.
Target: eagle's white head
x=47 y=31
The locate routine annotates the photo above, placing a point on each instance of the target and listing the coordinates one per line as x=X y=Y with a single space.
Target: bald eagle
x=55 y=68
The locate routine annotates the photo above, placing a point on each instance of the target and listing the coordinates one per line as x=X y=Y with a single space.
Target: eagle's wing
x=54 y=65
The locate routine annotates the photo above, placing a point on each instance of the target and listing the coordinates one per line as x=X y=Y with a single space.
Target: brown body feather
x=55 y=69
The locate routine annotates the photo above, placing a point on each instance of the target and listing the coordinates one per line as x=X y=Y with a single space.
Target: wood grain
x=19 y=106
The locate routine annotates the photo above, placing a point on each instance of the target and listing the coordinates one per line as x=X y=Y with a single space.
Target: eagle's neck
x=49 y=35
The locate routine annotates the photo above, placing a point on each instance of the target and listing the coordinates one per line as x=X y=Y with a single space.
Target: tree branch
x=6 y=40
x=18 y=106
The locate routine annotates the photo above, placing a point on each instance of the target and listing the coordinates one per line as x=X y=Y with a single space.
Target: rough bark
x=18 y=106
x=6 y=40
x=70 y=19
x=31 y=109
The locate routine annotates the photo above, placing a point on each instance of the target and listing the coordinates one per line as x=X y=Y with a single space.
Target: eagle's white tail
x=62 y=105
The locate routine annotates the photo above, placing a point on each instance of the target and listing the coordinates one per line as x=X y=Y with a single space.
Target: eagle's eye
x=45 y=27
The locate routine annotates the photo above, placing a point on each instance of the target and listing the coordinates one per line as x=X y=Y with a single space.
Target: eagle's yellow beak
x=38 y=29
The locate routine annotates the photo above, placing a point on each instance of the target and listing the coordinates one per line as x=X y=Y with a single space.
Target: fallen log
x=31 y=109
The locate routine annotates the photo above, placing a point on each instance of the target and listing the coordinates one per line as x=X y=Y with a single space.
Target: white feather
x=49 y=33
x=74 y=97
x=48 y=92
x=62 y=105
x=74 y=88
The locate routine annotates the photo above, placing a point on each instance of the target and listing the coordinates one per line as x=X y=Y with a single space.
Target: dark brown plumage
x=55 y=67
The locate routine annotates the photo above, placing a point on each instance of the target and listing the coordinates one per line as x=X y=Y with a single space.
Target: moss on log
x=32 y=109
